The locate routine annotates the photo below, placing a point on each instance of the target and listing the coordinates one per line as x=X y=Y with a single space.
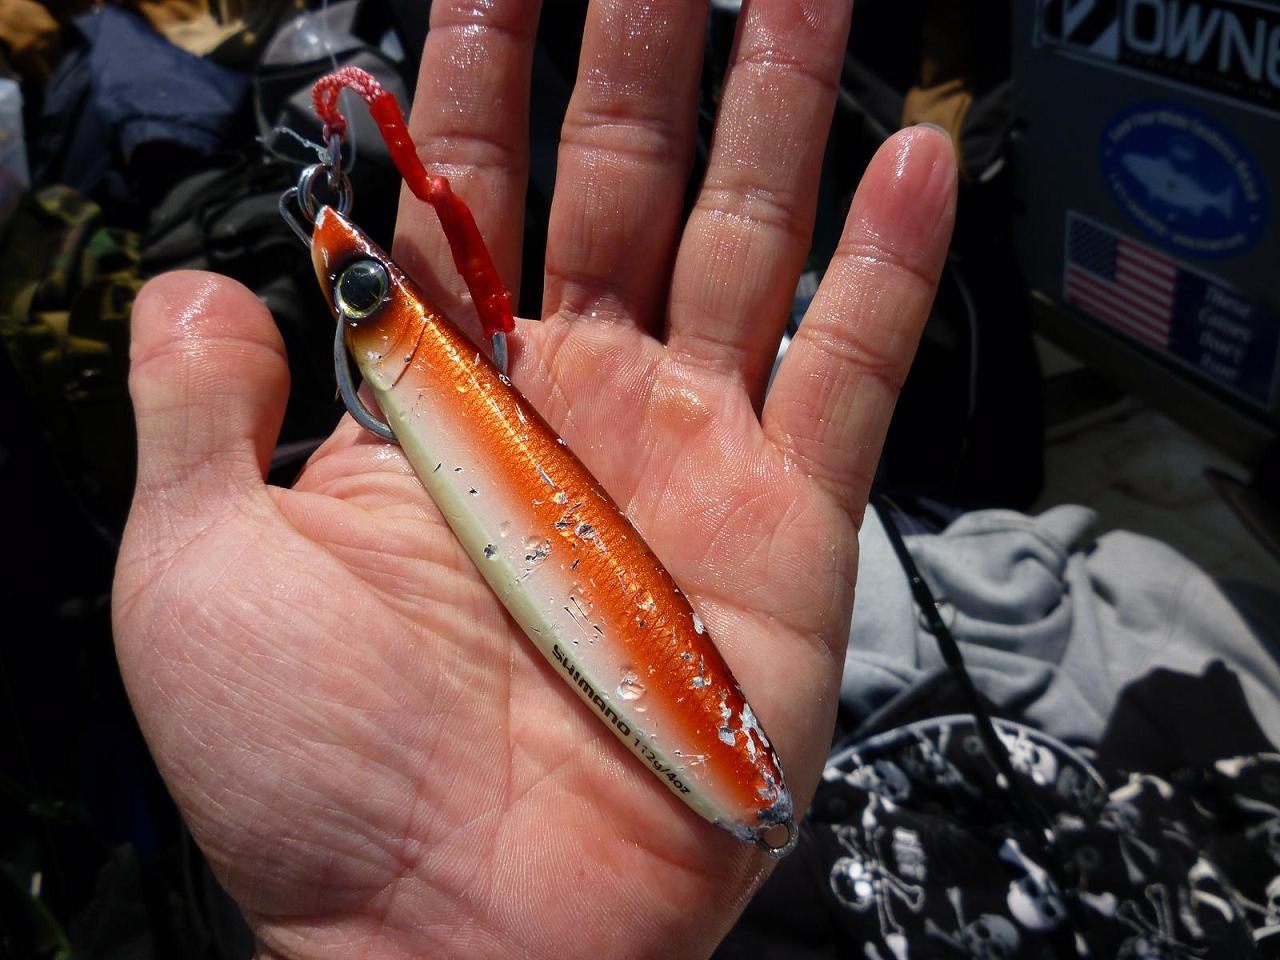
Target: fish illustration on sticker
x=1184 y=179
x=1166 y=183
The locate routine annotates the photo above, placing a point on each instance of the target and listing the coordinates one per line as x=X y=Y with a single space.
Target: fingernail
x=934 y=126
x=926 y=171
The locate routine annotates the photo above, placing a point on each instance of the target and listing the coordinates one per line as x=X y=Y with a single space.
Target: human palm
x=374 y=759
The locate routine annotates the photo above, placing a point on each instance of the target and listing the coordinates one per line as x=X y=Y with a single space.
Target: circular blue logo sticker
x=1184 y=179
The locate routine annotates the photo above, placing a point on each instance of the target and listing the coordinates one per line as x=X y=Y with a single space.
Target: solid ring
x=778 y=852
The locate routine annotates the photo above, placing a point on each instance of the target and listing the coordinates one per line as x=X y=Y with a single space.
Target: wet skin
x=328 y=686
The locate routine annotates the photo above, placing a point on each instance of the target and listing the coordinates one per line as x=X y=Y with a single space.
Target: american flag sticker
x=1120 y=282
x=1219 y=331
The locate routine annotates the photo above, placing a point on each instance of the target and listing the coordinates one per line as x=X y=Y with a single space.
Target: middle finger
x=625 y=152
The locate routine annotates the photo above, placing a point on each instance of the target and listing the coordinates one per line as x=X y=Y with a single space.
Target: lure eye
x=361 y=288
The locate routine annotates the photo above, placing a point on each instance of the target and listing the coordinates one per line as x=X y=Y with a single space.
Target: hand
x=375 y=760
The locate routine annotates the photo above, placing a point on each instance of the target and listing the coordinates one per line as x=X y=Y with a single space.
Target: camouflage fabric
x=67 y=284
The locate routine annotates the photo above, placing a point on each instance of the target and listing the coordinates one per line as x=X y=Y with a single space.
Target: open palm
x=374 y=759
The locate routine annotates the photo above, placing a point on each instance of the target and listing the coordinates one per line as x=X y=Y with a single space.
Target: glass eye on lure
x=360 y=289
x=553 y=546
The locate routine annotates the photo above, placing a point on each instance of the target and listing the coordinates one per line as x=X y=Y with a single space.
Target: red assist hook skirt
x=566 y=563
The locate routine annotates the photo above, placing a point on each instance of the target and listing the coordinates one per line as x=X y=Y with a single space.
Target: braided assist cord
x=470 y=255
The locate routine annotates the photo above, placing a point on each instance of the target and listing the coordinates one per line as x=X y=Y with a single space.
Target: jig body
x=567 y=564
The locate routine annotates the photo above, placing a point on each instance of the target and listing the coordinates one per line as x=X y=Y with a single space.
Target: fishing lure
x=567 y=564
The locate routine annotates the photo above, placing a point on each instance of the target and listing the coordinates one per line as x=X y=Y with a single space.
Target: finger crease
x=757 y=206
x=771 y=60
x=482 y=19
x=491 y=152
x=849 y=348
x=187 y=349
x=583 y=294
x=623 y=115
x=873 y=254
x=721 y=354
x=653 y=144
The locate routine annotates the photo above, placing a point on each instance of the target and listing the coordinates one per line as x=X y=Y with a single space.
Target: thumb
x=209 y=381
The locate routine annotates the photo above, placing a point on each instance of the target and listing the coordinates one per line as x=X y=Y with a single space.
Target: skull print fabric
x=915 y=849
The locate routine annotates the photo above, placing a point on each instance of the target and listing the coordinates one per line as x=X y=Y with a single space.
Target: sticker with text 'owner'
x=1227 y=49
x=1220 y=332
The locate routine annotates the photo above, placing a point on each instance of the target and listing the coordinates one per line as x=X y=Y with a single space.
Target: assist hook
x=304 y=199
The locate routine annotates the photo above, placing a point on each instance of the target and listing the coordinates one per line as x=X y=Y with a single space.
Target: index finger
x=470 y=123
